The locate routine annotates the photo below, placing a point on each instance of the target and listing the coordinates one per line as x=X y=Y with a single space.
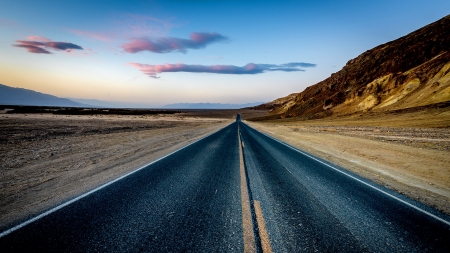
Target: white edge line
x=357 y=179
x=6 y=232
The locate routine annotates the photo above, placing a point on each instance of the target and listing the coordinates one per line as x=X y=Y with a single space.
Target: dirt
x=46 y=159
x=413 y=161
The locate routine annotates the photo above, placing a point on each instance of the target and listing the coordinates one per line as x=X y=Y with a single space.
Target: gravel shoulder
x=48 y=159
x=412 y=161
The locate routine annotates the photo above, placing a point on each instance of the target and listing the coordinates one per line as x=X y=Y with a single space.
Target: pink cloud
x=40 y=45
x=33 y=49
x=98 y=36
x=250 y=68
x=170 y=44
x=38 y=38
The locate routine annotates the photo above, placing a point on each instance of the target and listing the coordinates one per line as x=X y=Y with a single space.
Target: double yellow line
x=247 y=224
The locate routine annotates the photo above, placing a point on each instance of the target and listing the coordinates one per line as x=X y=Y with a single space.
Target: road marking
x=6 y=232
x=247 y=225
x=263 y=234
x=359 y=180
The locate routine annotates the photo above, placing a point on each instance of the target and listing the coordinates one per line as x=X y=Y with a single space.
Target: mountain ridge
x=411 y=71
x=19 y=96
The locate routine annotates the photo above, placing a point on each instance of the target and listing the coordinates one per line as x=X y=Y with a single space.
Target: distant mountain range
x=412 y=71
x=210 y=105
x=19 y=96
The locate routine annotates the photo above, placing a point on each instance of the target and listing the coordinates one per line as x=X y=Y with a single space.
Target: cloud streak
x=126 y=26
x=133 y=26
x=41 y=45
x=250 y=69
x=93 y=35
x=33 y=49
x=6 y=23
x=171 y=44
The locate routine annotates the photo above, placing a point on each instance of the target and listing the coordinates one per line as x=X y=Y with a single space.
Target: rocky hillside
x=411 y=71
x=284 y=101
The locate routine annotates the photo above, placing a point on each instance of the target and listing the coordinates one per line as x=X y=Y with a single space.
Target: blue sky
x=154 y=53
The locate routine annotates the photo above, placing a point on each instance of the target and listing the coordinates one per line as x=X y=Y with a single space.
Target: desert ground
x=47 y=159
x=408 y=152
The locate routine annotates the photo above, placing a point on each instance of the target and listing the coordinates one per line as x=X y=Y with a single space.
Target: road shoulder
x=418 y=173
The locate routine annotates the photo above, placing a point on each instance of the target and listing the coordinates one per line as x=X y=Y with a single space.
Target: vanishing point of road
x=233 y=191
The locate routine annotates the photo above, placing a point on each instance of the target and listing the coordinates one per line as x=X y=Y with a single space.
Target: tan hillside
x=412 y=71
x=283 y=102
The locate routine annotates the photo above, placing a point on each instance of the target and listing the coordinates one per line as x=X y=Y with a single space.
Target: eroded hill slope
x=411 y=71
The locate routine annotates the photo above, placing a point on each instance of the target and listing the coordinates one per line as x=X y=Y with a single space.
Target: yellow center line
x=263 y=235
x=247 y=225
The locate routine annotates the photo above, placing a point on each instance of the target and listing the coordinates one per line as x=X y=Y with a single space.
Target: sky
x=153 y=53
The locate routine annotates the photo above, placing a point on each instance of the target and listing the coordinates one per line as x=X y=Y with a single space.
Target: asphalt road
x=203 y=199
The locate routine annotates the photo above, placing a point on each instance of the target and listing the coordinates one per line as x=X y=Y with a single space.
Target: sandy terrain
x=413 y=161
x=46 y=159
x=407 y=118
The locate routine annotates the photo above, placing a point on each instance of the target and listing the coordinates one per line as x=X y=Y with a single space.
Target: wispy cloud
x=251 y=68
x=33 y=49
x=7 y=23
x=93 y=35
x=85 y=52
x=126 y=26
x=171 y=44
x=133 y=25
x=38 y=38
x=40 y=45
